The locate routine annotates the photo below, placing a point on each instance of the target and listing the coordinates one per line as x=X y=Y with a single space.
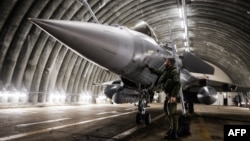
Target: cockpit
x=144 y=28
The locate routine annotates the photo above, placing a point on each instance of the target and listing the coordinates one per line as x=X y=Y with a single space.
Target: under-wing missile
x=117 y=48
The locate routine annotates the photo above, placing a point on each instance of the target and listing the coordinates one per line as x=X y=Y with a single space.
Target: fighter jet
x=127 y=52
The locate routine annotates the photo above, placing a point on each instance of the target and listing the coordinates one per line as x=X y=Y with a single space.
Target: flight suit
x=170 y=83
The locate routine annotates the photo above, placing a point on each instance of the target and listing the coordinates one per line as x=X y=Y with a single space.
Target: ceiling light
x=184 y=36
x=185 y=44
x=180 y=12
x=248 y=12
x=182 y=24
x=187 y=49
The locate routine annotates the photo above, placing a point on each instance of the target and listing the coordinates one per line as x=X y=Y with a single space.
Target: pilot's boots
x=169 y=131
x=171 y=136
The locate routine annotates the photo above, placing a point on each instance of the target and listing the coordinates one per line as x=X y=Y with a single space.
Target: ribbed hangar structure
x=35 y=68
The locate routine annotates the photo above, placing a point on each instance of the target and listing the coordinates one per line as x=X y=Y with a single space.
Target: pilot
x=169 y=80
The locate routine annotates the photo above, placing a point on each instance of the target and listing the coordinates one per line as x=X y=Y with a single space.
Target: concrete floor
x=111 y=122
x=207 y=124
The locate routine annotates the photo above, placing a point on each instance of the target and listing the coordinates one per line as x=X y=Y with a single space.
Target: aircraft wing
x=227 y=87
x=207 y=89
x=102 y=84
x=218 y=86
x=107 y=83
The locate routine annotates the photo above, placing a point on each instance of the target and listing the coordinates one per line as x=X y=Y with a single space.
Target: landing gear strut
x=142 y=105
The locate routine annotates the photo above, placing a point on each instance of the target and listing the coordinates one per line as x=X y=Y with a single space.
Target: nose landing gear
x=142 y=114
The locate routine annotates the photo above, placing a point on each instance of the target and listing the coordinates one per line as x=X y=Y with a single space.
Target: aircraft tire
x=138 y=118
x=147 y=119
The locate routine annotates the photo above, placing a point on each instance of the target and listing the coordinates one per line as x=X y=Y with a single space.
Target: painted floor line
x=11 y=137
x=111 y=112
x=205 y=135
x=126 y=133
x=47 y=121
x=131 y=109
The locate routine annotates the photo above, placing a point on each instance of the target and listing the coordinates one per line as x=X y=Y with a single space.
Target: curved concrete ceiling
x=219 y=32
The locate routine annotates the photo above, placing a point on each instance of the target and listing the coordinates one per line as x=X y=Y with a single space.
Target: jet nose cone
x=95 y=42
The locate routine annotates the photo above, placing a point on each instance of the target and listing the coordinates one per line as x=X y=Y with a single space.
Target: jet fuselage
x=117 y=48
